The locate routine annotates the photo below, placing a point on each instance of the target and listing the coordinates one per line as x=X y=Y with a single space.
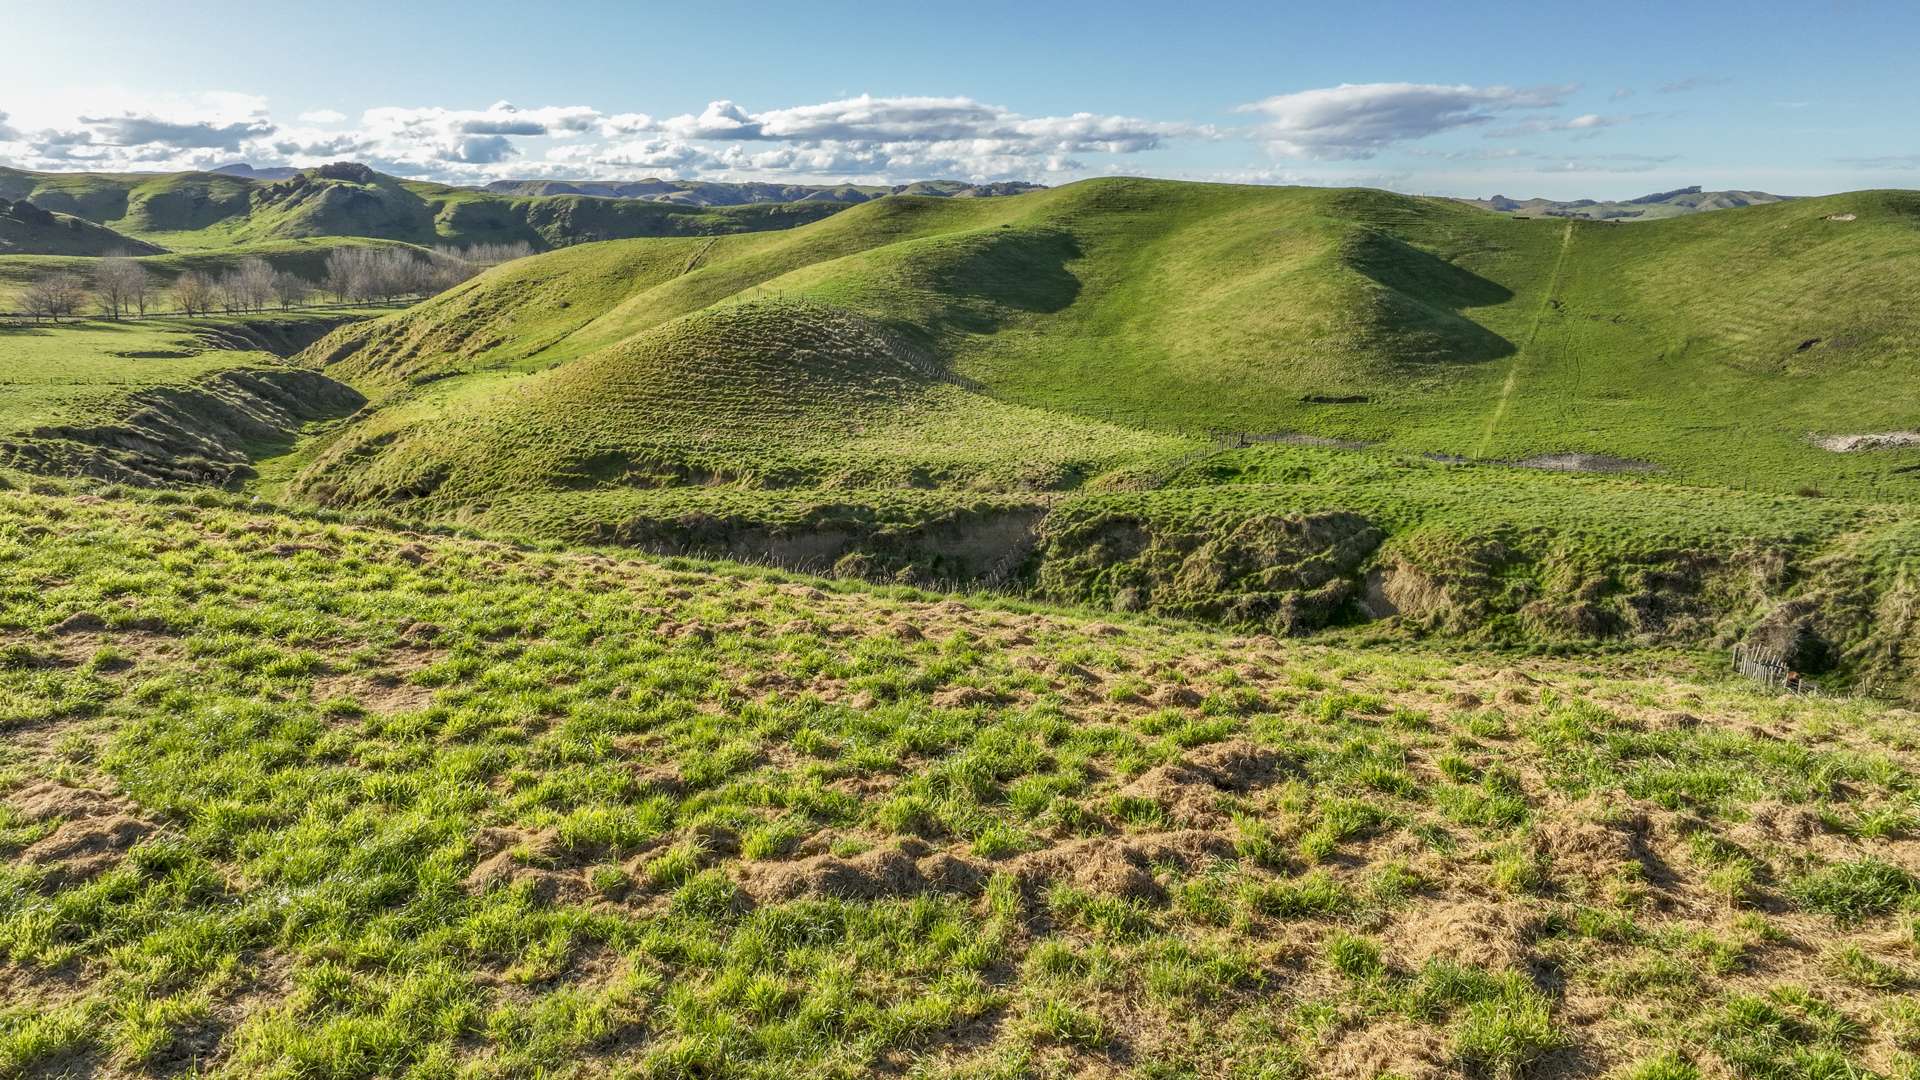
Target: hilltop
x=1660 y=204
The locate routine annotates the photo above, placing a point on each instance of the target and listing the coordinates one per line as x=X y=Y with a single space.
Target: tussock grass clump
x=283 y=795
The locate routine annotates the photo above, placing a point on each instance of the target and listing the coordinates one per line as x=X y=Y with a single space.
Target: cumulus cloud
x=295 y=143
x=433 y=124
x=1352 y=120
x=635 y=123
x=867 y=137
x=719 y=120
x=153 y=131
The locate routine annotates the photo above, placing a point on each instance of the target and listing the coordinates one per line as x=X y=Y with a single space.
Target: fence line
x=29 y=317
x=1770 y=669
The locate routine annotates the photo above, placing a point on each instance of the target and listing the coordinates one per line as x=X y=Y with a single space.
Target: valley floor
x=283 y=797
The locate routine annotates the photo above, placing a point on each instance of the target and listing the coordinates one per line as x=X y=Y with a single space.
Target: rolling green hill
x=199 y=211
x=1706 y=349
x=1116 y=391
x=26 y=229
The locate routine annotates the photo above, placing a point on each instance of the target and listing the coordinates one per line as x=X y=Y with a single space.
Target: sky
x=1556 y=100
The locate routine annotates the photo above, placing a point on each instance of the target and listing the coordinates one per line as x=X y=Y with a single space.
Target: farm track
x=1526 y=347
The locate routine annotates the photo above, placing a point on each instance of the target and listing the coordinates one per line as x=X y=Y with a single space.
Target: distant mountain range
x=236 y=204
x=1660 y=204
x=716 y=193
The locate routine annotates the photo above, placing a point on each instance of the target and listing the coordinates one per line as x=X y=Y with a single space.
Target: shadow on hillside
x=986 y=277
x=1426 y=298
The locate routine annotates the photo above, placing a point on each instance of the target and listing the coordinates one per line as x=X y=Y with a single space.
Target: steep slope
x=26 y=229
x=162 y=401
x=765 y=394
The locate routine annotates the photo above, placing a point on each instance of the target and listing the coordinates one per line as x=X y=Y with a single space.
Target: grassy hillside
x=301 y=798
x=1292 y=409
x=1049 y=376
x=1706 y=348
x=201 y=211
x=26 y=229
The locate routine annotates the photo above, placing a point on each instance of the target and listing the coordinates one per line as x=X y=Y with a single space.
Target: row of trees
x=120 y=286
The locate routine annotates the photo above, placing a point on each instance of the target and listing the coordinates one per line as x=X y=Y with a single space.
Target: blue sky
x=1559 y=100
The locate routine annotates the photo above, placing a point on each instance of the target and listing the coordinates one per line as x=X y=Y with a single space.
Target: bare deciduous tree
x=362 y=274
x=194 y=293
x=254 y=278
x=290 y=289
x=55 y=295
x=120 y=284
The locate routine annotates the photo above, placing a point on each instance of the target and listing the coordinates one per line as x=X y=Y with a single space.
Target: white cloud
x=1586 y=126
x=1352 y=121
x=1610 y=163
x=865 y=138
x=720 y=120
x=144 y=131
x=619 y=124
x=1690 y=83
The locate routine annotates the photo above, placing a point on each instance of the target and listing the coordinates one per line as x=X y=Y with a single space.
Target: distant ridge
x=718 y=193
x=241 y=168
x=1660 y=204
x=238 y=204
